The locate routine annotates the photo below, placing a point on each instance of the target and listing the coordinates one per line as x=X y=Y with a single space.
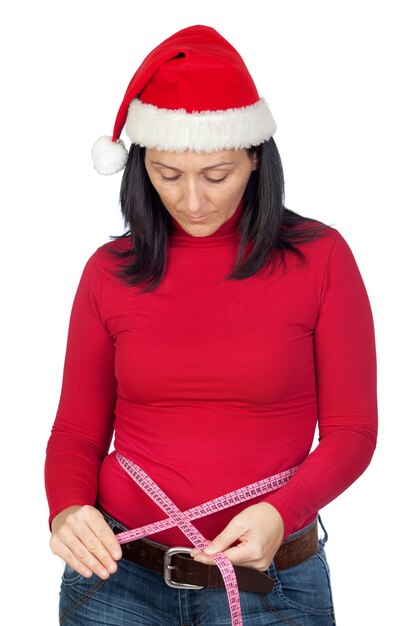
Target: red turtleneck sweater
x=211 y=384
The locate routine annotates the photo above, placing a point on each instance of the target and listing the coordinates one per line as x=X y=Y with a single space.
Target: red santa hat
x=192 y=92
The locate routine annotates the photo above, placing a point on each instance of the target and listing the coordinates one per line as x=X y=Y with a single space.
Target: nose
x=193 y=197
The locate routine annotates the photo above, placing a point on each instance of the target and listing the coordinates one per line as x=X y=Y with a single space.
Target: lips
x=201 y=218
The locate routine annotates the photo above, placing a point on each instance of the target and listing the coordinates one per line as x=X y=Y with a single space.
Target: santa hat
x=192 y=92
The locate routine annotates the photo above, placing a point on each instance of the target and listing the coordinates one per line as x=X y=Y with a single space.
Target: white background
x=340 y=79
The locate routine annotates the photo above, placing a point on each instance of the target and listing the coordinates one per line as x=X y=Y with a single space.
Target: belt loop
x=324 y=539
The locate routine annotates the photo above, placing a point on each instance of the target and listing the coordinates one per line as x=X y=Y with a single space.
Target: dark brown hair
x=265 y=221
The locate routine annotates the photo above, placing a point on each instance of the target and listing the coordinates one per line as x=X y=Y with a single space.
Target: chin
x=200 y=230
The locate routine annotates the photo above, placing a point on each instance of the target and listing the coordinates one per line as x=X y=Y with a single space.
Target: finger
x=79 y=558
x=222 y=542
x=96 y=534
x=238 y=555
x=79 y=540
x=92 y=545
x=235 y=554
x=243 y=554
x=105 y=535
x=98 y=564
x=247 y=555
x=61 y=550
x=233 y=531
x=201 y=557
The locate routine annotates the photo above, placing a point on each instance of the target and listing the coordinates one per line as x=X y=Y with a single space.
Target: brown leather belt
x=182 y=571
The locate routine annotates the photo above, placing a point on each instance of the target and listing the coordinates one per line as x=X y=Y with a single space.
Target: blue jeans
x=134 y=596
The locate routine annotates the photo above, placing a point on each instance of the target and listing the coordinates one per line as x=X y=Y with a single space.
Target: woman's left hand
x=259 y=529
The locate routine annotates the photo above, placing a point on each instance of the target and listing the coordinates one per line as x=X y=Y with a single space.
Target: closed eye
x=215 y=181
x=212 y=181
x=169 y=179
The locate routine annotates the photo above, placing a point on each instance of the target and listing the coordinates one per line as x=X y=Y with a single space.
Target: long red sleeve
x=211 y=384
x=344 y=355
x=83 y=427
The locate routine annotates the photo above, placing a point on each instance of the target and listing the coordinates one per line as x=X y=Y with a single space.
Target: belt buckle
x=168 y=569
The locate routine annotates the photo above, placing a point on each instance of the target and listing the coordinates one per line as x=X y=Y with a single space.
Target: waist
x=180 y=570
x=122 y=499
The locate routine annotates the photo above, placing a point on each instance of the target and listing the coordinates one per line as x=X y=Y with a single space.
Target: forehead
x=195 y=160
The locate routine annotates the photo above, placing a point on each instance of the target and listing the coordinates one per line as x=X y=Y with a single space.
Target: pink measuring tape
x=182 y=519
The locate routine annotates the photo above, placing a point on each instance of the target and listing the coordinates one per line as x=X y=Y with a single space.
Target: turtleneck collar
x=226 y=234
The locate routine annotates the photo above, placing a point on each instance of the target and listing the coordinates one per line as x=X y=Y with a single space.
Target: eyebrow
x=203 y=169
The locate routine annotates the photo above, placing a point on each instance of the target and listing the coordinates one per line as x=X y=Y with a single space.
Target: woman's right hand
x=84 y=540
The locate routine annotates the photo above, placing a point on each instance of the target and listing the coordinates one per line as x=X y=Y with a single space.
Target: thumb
x=224 y=540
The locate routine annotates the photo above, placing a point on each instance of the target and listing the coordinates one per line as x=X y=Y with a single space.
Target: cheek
x=166 y=193
x=227 y=198
x=169 y=199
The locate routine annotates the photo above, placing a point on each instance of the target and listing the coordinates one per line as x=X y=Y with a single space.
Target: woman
x=210 y=340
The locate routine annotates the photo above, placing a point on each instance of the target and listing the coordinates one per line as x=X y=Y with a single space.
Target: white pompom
x=109 y=156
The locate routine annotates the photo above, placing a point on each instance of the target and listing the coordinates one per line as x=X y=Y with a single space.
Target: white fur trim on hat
x=206 y=131
x=109 y=156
